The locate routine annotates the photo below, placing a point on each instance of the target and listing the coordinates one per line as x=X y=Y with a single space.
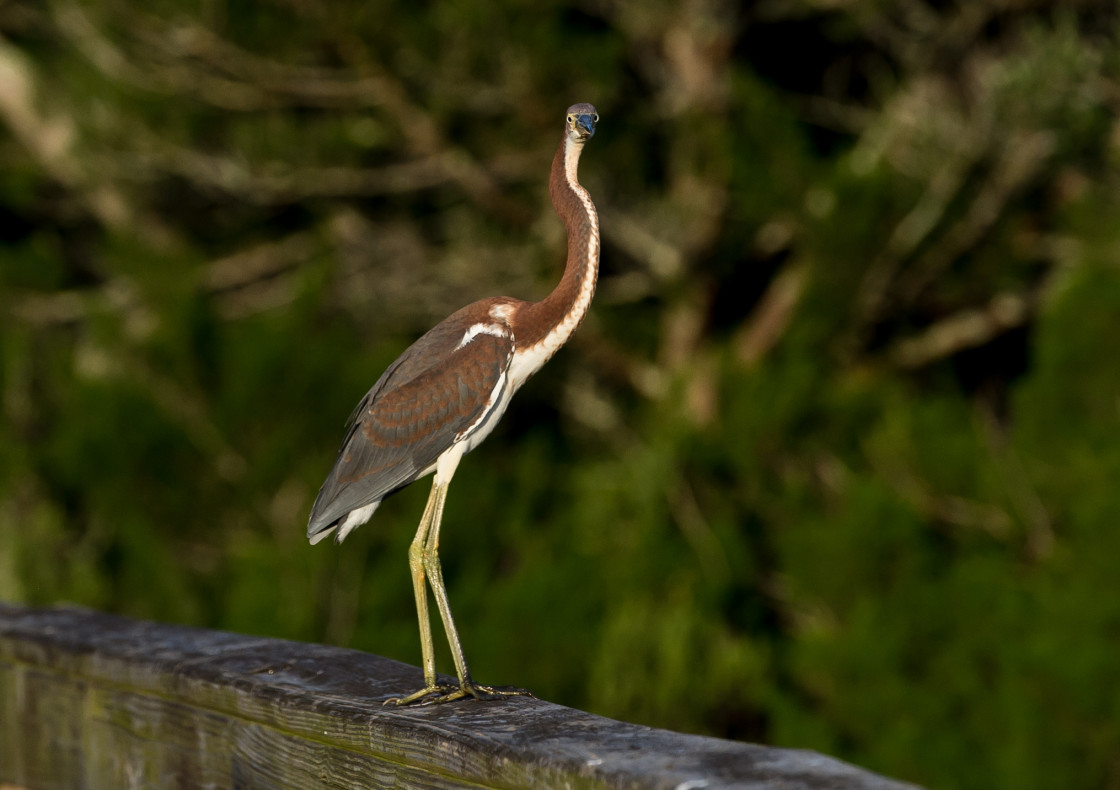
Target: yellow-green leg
x=420 y=591
x=423 y=560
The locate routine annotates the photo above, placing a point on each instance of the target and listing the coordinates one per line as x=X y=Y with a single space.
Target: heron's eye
x=571 y=119
x=595 y=118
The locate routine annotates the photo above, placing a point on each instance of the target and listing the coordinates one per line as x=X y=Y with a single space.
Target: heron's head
x=581 y=122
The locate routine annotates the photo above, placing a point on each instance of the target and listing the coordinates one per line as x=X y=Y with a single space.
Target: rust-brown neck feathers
x=542 y=327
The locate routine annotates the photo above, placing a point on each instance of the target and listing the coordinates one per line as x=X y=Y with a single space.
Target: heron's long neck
x=552 y=320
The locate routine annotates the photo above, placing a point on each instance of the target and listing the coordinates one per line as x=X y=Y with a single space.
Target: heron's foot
x=469 y=688
x=433 y=692
x=449 y=692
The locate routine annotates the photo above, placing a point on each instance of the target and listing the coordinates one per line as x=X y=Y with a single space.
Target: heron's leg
x=431 y=563
x=420 y=590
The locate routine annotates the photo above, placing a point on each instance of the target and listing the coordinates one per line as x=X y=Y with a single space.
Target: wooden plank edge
x=290 y=714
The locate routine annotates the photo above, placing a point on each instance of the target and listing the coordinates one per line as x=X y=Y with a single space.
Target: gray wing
x=418 y=408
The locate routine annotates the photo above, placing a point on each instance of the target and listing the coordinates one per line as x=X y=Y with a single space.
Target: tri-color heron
x=445 y=394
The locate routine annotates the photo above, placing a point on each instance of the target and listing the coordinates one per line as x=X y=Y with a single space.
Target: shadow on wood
x=92 y=700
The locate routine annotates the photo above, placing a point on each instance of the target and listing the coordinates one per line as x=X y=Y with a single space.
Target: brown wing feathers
x=414 y=413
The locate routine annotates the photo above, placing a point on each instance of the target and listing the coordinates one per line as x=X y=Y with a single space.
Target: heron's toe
x=489 y=693
x=425 y=696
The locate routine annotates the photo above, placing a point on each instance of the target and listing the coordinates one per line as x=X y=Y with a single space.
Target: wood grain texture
x=90 y=700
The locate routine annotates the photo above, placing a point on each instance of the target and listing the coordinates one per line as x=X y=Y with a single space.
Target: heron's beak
x=587 y=124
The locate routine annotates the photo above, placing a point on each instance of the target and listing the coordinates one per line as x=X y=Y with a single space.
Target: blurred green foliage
x=830 y=465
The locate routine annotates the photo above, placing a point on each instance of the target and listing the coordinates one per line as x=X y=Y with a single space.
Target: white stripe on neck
x=528 y=361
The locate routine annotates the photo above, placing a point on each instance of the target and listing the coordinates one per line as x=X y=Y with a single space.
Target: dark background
x=833 y=462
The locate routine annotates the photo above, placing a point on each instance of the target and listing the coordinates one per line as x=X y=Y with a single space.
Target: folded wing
x=428 y=400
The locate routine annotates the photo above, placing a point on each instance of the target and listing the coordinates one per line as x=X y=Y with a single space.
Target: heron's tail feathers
x=343 y=526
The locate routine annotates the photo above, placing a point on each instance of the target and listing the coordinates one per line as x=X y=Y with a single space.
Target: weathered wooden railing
x=89 y=700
